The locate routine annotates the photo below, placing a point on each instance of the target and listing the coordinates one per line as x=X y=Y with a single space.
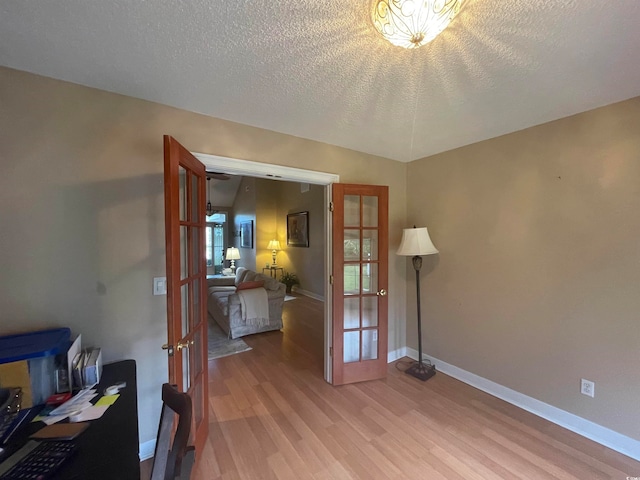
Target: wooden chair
x=173 y=460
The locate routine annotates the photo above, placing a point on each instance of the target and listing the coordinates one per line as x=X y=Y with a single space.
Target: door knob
x=180 y=346
x=382 y=293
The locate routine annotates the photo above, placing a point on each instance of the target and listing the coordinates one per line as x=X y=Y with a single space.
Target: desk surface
x=108 y=449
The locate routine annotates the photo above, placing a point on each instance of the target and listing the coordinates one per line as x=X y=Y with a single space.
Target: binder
x=92 y=367
x=77 y=367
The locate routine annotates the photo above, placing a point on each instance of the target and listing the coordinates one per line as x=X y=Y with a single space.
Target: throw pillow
x=250 y=285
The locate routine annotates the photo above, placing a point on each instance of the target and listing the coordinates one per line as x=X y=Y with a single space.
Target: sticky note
x=107 y=400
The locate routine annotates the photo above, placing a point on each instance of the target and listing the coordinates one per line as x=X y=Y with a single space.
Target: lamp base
x=422 y=371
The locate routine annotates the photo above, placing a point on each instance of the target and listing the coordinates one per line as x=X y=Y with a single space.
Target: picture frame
x=298 y=229
x=246 y=234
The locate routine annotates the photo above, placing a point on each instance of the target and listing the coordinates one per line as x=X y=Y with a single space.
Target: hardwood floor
x=273 y=416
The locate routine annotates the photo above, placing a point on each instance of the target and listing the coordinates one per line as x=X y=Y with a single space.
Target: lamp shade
x=416 y=241
x=232 y=253
x=274 y=245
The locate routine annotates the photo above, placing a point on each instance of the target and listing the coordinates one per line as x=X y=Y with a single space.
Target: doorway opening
x=247 y=168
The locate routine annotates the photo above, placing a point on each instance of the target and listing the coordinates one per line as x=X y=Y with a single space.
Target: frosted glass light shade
x=274 y=245
x=413 y=23
x=416 y=241
x=232 y=254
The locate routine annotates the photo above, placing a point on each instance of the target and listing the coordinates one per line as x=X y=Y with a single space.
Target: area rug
x=220 y=345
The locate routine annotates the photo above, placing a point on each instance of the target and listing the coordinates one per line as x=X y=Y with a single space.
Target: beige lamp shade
x=416 y=241
x=274 y=245
x=232 y=254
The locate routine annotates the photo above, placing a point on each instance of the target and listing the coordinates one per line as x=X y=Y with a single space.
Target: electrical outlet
x=587 y=387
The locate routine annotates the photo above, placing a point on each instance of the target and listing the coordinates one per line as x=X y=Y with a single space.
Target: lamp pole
x=415 y=243
x=417 y=265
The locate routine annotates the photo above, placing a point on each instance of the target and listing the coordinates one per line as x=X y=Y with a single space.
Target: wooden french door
x=184 y=203
x=360 y=282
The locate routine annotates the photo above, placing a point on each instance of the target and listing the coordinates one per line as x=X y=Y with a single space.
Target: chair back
x=173 y=459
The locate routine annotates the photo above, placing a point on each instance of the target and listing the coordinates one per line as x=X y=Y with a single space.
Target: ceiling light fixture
x=209 y=210
x=413 y=23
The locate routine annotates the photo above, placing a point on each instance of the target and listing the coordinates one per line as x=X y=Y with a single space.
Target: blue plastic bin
x=39 y=349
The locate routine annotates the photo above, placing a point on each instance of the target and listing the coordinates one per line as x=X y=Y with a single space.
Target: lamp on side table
x=233 y=254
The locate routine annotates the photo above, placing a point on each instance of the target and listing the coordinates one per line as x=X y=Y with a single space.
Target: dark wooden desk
x=108 y=449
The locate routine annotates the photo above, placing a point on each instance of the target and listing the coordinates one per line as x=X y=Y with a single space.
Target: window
x=214 y=240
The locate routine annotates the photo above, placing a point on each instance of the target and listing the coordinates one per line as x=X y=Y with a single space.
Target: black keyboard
x=37 y=460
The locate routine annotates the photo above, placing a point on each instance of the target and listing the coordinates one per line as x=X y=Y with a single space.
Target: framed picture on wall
x=246 y=234
x=298 y=229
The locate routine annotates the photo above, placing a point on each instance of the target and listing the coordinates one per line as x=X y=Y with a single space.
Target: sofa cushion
x=240 y=274
x=250 y=285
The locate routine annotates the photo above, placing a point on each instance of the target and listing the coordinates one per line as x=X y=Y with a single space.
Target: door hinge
x=331 y=206
x=331 y=351
x=331 y=279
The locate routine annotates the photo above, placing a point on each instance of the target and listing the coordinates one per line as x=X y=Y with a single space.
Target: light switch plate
x=159 y=285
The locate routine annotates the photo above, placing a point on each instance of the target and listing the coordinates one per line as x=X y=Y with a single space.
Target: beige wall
x=306 y=263
x=81 y=202
x=536 y=284
x=244 y=210
x=266 y=212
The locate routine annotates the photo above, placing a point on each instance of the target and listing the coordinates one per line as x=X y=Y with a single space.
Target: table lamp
x=233 y=254
x=274 y=246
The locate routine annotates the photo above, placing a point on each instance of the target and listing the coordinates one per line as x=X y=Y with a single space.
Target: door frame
x=247 y=168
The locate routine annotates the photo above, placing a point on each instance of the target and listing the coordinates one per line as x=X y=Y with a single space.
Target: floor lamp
x=415 y=243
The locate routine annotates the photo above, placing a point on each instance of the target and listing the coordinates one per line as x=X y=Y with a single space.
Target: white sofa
x=226 y=298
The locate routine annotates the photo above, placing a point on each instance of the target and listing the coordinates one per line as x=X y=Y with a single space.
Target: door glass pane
x=184 y=309
x=183 y=252
x=351 y=210
x=186 y=378
x=196 y=252
x=369 y=245
x=182 y=182
x=351 y=347
x=351 y=279
x=198 y=403
x=195 y=205
x=352 y=245
x=351 y=312
x=370 y=211
x=369 y=344
x=196 y=304
x=369 y=277
x=370 y=311
x=196 y=349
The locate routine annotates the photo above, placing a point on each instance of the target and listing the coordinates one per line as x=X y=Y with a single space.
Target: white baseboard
x=309 y=294
x=147 y=449
x=602 y=435
x=396 y=354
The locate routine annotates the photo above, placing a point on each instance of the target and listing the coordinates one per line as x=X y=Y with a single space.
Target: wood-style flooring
x=272 y=416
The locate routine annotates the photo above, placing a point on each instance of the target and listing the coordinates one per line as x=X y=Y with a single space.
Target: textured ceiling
x=319 y=70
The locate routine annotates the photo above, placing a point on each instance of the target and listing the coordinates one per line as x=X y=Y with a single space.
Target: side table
x=273 y=271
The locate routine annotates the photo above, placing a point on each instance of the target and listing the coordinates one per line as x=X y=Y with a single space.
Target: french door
x=184 y=201
x=360 y=282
